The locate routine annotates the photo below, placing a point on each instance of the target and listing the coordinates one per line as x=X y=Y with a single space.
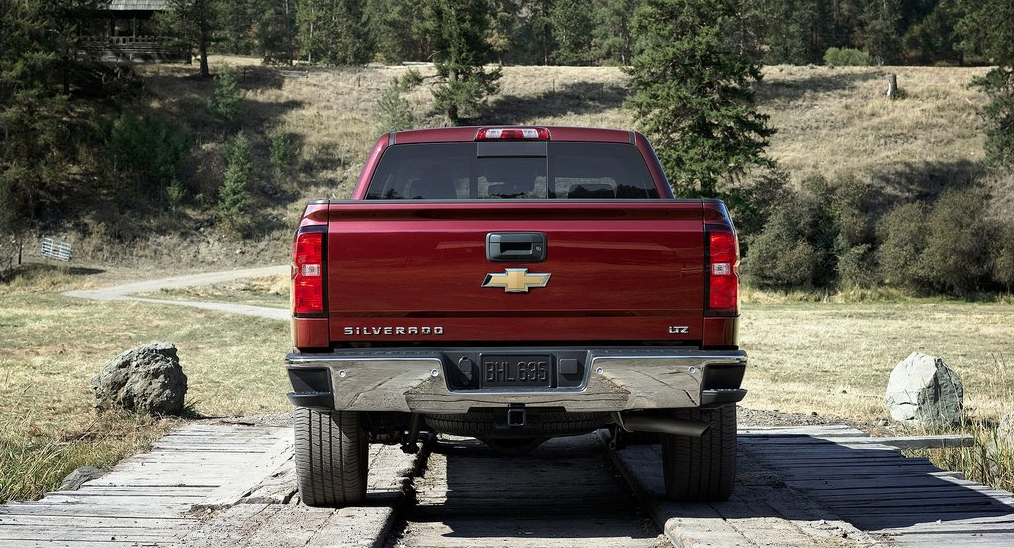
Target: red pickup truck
x=514 y=284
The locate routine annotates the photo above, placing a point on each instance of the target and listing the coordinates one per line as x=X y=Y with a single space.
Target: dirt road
x=127 y=292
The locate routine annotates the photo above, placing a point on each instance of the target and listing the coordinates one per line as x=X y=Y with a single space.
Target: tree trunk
x=892 y=85
x=452 y=109
x=202 y=49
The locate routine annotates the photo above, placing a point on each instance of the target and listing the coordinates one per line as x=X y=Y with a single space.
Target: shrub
x=847 y=57
x=1001 y=249
x=752 y=201
x=394 y=112
x=817 y=236
x=149 y=152
x=902 y=240
x=956 y=255
x=791 y=250
x=175 y=193
x=234 y=197
x=226 y=97
x=281 y=154
x=942 y=248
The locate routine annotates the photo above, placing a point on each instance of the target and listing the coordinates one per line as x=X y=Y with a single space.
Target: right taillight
x=723 y=272
x=308 y=273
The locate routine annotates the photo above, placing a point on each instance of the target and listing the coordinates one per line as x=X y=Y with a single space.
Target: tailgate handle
x=516 y=247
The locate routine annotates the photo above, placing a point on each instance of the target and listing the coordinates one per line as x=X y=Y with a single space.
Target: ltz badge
x=516 y=280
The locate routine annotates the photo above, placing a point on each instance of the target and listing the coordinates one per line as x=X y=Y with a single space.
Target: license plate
x=516 y=371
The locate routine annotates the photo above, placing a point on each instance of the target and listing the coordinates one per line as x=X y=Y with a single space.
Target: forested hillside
x=834 y=186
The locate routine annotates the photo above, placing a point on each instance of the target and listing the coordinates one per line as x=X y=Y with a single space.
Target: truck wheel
x=331 y=463
x=701 y=469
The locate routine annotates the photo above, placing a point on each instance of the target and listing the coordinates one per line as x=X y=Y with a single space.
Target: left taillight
x=723 y=272
x=308 y=273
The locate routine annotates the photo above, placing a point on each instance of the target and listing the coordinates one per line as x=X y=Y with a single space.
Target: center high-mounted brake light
x=512 y=134
x=723 y=272
x=308 y=273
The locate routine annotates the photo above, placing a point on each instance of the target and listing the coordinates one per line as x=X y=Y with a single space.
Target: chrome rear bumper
x=425 y=382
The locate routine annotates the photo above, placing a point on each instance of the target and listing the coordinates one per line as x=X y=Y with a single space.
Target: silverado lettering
x=367 y=331
x=464 y=227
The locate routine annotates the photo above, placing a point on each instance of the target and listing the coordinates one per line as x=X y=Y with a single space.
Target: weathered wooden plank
x=130 y=511
x=90 y=534
x=92 y=521
x=914 y=442
x=839 y=429
x=69 y=544
x=912 y=497
x=230 y=528
x=957 y=540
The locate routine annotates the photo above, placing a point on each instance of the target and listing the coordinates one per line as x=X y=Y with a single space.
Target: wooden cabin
x=125 y=32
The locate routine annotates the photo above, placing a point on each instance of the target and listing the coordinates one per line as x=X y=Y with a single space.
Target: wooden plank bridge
x=797 y=485
x=225 y=485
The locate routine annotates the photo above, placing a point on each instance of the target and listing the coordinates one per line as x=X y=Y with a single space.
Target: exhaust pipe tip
x=694 y=429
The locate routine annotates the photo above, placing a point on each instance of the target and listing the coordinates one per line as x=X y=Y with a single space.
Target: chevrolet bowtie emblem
x=516 y=280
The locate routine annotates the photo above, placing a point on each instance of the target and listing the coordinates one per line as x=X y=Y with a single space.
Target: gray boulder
x=78 y=477
x=146 y=379
x=923 y=391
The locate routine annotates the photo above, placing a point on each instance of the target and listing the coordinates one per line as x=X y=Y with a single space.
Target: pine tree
x=333 y=32
x=880 y=34
x=457 y=29
x=234 y=196
x=788 y=32
x=196 y=22
x=613 y=34
x=988 y=28
x=394 y=26
x=275 y=31
x=573 y=26
x=693 y=96
x=33 y=115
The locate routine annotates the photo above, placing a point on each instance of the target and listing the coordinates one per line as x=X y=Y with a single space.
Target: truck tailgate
x=413 y=271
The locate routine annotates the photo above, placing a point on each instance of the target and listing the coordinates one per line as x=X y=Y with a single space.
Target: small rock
x=923 y=391
x=78 y=477
x=147 y=379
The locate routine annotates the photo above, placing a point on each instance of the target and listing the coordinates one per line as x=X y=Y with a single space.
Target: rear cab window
x=543 y=170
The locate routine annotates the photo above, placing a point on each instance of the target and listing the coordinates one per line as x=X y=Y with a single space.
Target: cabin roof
x=137 y=5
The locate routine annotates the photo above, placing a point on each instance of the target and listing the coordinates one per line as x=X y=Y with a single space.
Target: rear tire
x=701 y=469
x=331 y=457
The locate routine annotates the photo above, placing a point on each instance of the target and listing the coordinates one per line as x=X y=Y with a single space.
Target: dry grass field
x=832 y=121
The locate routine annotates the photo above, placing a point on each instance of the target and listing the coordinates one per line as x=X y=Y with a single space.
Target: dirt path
x=126 y=292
